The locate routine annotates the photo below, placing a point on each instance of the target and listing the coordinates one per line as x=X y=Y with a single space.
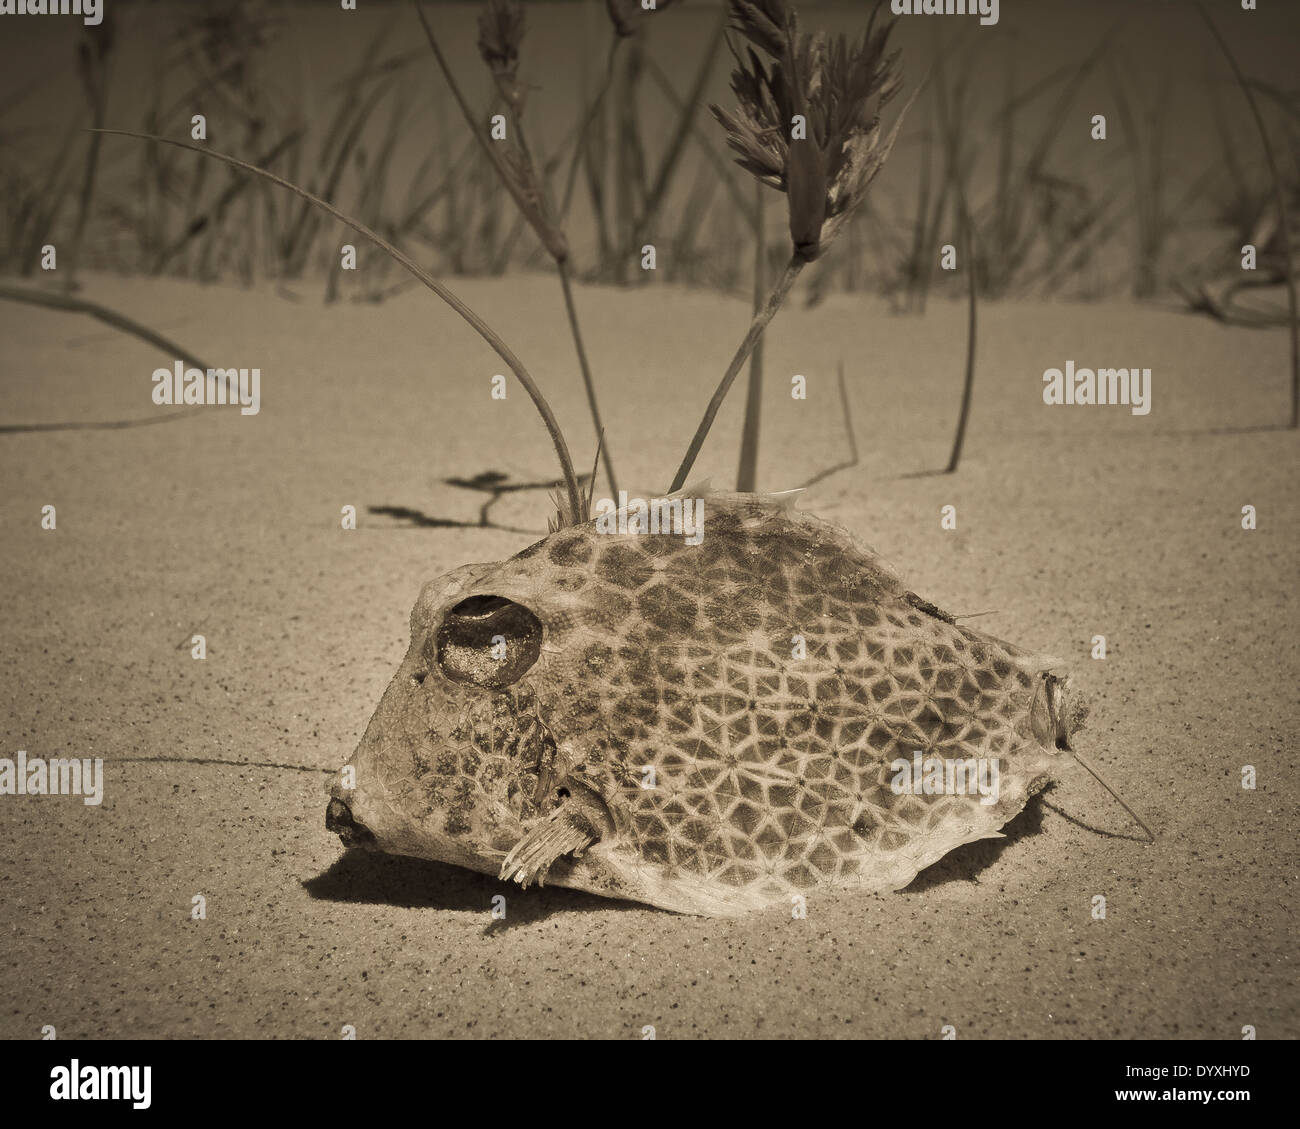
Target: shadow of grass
x=414 y=517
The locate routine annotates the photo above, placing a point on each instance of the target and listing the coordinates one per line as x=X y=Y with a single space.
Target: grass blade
x=1283 y=219
x=760 y=323
x=476 y=323
x=747 y=474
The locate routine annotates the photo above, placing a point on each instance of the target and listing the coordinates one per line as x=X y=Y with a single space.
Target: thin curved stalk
x=969 y=385
x=549 y=238
x=747 y=473
x=71 y=304
x=950 y=126
x=476 y=323
x=587 y=381
x=761 y=319
x=53 y=300
x=1283 y=220
x=489 y=151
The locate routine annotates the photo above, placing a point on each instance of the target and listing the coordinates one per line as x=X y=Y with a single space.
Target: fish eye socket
x=487 y=641
x=476 y=607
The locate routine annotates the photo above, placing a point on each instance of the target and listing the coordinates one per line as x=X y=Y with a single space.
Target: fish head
x=460 y=757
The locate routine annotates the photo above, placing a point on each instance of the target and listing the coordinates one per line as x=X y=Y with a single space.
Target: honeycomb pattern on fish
x=764 y=681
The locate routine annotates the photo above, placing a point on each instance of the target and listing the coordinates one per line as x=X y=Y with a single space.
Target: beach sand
x=1072 y=523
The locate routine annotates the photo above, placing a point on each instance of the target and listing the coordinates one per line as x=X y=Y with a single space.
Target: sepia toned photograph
x=633 y=520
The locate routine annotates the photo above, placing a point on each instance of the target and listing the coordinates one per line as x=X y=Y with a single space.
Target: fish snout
x=339 y=819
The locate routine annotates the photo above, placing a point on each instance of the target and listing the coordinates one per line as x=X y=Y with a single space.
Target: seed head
x=500 y=32
x=808 y=121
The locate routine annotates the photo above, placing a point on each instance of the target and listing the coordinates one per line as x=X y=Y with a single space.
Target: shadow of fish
x=708 y=728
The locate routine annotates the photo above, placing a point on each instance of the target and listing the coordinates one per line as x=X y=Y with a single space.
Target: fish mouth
x=339 y=819
x=361 y=824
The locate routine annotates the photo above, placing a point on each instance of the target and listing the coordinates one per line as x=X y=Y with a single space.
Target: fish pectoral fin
x=580 y=821
x=533 y=855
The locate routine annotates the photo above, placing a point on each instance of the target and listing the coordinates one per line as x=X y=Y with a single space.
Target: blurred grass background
x=349 y=104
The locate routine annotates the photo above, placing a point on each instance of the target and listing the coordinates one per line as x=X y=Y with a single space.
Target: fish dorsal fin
x=783 y=498
x=697 y=489
x=692 y=490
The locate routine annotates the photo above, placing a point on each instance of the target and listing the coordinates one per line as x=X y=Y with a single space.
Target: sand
x=1072 y=523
